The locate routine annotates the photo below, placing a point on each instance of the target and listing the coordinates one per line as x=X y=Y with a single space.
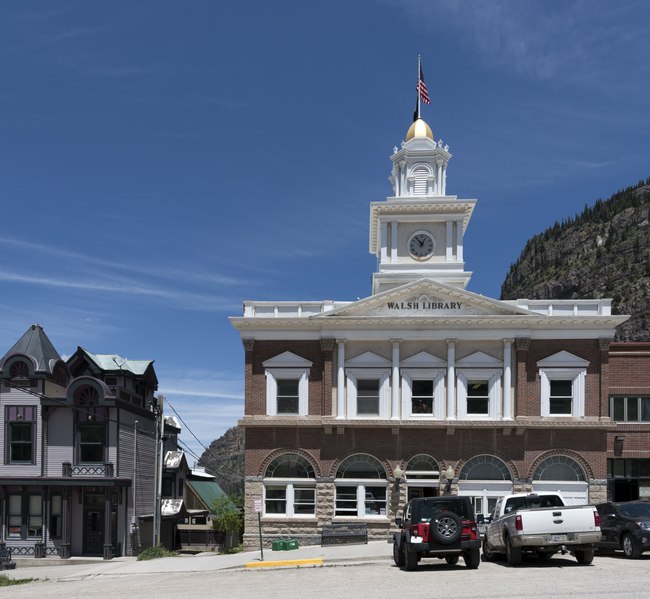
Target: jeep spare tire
x=446 y=527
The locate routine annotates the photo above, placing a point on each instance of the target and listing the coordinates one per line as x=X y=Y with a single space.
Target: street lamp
x=398 y=473
x=449 y=474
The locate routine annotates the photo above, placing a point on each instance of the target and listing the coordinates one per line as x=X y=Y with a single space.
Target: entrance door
x=93 y=531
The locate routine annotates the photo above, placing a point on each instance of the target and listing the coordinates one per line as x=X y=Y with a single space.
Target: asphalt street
x=349 y=571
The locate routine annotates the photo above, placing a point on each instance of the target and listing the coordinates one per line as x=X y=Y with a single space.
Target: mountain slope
x=224 y=459
x=603 y=252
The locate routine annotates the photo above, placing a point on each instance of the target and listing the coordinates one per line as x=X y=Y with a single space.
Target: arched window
x=361 y=483
x=19 y=370
x=422 y=467
x=560 y=467
x=290 y=487
x=485 y=467
x=60 y=375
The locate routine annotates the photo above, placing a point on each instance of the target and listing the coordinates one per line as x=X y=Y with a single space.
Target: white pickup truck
x=541 y=524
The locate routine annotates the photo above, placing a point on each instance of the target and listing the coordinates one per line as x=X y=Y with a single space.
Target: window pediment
x=479 y=359
x=287 y=359
x=563 y=359
x=368 y=360
x=423 y=360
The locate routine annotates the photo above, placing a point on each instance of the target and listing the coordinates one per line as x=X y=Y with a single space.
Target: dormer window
x=19 y=370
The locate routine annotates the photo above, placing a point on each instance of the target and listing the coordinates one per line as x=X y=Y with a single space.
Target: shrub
x=5 y=581
x=155 y=552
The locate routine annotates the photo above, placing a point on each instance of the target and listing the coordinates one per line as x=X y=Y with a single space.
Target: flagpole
x=419 y=68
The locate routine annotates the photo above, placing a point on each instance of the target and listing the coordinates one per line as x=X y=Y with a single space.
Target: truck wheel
x=630 y=547
x=514 y=555
x=472 y=558
x=446 y=528
x=452 y=560
x=488 y=554
x=410 y=560
x=398 y=555
x=585 y=556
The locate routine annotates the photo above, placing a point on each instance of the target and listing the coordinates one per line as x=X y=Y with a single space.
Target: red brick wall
x=519 y=451
x=528 y=390
x=320 y=383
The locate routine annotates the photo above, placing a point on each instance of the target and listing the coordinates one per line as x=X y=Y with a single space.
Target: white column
x=450 y=240
x=444 y=180
x=451 y=379
x=402 y=174
x=393 y=242
x=394 y=404
x=384 y=241
x=507 y=379
x=459 y=240
x=340 y=379
x=438 y=178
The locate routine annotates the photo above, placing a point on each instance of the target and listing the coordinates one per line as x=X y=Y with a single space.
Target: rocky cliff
x=224 y=459
x=602 y=252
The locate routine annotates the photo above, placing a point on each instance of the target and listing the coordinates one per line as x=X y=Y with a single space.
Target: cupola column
x=450 y=240
x=444 y=180
x=459 y=241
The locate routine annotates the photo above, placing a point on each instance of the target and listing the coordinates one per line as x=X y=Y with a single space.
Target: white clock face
x=421 y=245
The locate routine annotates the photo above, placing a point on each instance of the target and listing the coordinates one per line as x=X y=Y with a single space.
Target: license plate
x=558 y=538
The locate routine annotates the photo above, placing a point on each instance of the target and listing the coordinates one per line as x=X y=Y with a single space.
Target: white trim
x=272 y=376
x=493 y=378
x=577 y=376
x=287 y=359
x=382 y=375
x=438 y=378
x=289 y=486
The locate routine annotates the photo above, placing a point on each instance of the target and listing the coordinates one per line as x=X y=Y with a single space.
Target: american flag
x=422 y=89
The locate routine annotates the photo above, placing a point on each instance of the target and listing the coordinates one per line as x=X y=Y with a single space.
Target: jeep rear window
x=423 y=511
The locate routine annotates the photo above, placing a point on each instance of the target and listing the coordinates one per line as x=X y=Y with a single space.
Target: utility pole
x=160 y=429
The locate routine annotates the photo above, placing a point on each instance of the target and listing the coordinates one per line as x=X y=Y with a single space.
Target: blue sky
x=162 y=161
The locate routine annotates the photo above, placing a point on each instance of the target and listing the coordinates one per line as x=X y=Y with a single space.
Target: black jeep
x=442 y=527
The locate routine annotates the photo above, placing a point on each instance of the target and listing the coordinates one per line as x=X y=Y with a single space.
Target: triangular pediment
x=426 y=298
x=479 y=360
x=368 y=360
x=287 y=360
x=563 y=359
x=423 y=360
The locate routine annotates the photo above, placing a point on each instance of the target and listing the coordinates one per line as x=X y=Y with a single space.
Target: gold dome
x=419 y=129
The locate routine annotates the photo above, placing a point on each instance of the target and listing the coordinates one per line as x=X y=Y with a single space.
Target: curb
x=318 y=561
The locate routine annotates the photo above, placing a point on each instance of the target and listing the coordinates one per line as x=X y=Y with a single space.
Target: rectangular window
x=368 y=397
x=561 y=397
x=287 y=396
x=478 y=397
x=25 y=517
x=629 y=409
x=346 y=501
x=35 y=517
x=55 y=516
x=304 y=501
x=15 y=517
x=20 y=428
x=276 y=500
x=90 y=443
x=422 y=397
x=375 y=502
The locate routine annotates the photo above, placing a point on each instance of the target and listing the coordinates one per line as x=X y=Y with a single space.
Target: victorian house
x=78 y=450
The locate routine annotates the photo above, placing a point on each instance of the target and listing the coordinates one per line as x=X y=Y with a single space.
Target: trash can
x=277 y=545
x=291 y=544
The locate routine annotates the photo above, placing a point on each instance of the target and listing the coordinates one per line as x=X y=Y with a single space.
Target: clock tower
x=418 y=232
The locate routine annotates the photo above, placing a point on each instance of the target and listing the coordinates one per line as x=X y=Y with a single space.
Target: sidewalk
x=310 y=556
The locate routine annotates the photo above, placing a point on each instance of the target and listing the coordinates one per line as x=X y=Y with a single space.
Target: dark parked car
x=625 y=526
x=442 y=527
